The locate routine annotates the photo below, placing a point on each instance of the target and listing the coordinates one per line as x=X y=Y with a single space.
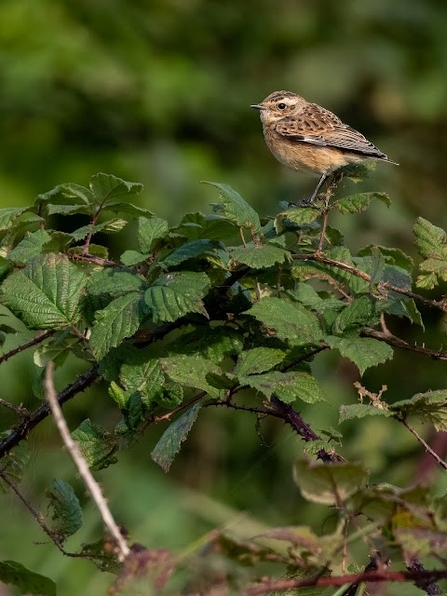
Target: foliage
x=225 y=310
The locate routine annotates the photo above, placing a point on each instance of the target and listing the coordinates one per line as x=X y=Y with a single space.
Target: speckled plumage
x=306 y=137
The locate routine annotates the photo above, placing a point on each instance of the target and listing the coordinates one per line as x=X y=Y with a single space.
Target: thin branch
x=397 y=342
x=19 y=410
x=341 y=580
x=92 y=259
x=40 y=337
x=37 y=516
x=320 y=258
x=20 y=432
x=82 y=466
x=426 y=446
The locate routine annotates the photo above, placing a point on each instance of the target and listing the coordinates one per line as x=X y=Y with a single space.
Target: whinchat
x=306 y=137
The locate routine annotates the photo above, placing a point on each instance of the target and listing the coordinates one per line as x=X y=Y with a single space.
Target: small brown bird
x=306 y=137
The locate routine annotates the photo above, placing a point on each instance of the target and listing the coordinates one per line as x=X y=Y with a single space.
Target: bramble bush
x=224 y=310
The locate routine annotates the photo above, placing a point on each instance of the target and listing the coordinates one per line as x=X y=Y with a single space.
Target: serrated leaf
x=149 y=230
x=26 y=581
x=291 y=321
x=235 y=208
x=175 y=294
x=360 y=411
x=9 y=216
x=364 y=352
x=170 y=442
x=258 y=360
x=295 y=218
x=14 y=462
x=431 y=243
x=311 y=299
x=359 y=313
x=96 y=445
x=328 y=484
x=147 y=378
x=117 y=321
x=113 y=283
x=191 y=371
x=360 y=202
x=119 y=396
x=132 y=257
x=108 y=189
x=195 y=249
x=111 y=226
x=392 y=256
x=30 y=247
x=288 y=386
x=259 y=257
x=47 y=293
x=67 y=512
x=65 y=199
x=430 y=406
x=56 y=349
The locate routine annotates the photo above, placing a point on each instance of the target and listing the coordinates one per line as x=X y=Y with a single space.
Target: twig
x=20 y=432
x=426 y=446
x=442 y=305
x=37 y=516
x=19 y=410
x=40 y=337
x=82 y=466
x=340 y=580
x=397 y=342
x=96 y=260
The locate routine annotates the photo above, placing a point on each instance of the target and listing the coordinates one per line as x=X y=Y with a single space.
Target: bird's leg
x=310 y=200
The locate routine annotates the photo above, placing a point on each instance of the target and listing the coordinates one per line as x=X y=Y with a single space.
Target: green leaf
x=291 y=321
x=117 y=321
x=328 y=484
x=288 y=386
x=147 y=378
x=14 y=463
x=150 y=230
x=259 y=257
x=111 y=226
x=392 y=256
x=170 y=442
x=191 y=371
x=429 y=407
x=9 y=216
x=235 y=208
x=26 y=581
x=30 y=247
x=108 y=189
x=360 y=202
x=47 y=293
x=67 y=512
x=176 y=294
x=359 y=313
x=96 y=445
x=431 y=243
x=258 y=360
x=56 y=349
x=65 y=199
x=311 y=299
x=364 y=352
x=194 y=249
x=132 y=257
x=360 y=411
x=112 y=283
x=293 y=219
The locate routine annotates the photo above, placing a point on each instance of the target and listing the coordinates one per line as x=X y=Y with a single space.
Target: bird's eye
x=282 y=106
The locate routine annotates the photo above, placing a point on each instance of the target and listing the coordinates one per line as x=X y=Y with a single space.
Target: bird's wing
x=320 y=127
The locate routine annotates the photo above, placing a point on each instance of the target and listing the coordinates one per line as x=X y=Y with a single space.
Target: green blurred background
x=158 y=91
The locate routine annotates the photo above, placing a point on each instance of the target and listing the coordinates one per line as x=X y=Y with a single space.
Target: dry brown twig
x=82 y=466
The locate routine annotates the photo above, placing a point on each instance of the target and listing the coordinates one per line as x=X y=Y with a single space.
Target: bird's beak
x=257 y=106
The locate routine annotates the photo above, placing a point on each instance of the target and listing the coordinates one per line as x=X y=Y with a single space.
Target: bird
x=309 y=138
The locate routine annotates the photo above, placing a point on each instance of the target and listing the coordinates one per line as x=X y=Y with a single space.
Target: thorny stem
x=21 y=431
x=39 y=338
x=426 y=446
